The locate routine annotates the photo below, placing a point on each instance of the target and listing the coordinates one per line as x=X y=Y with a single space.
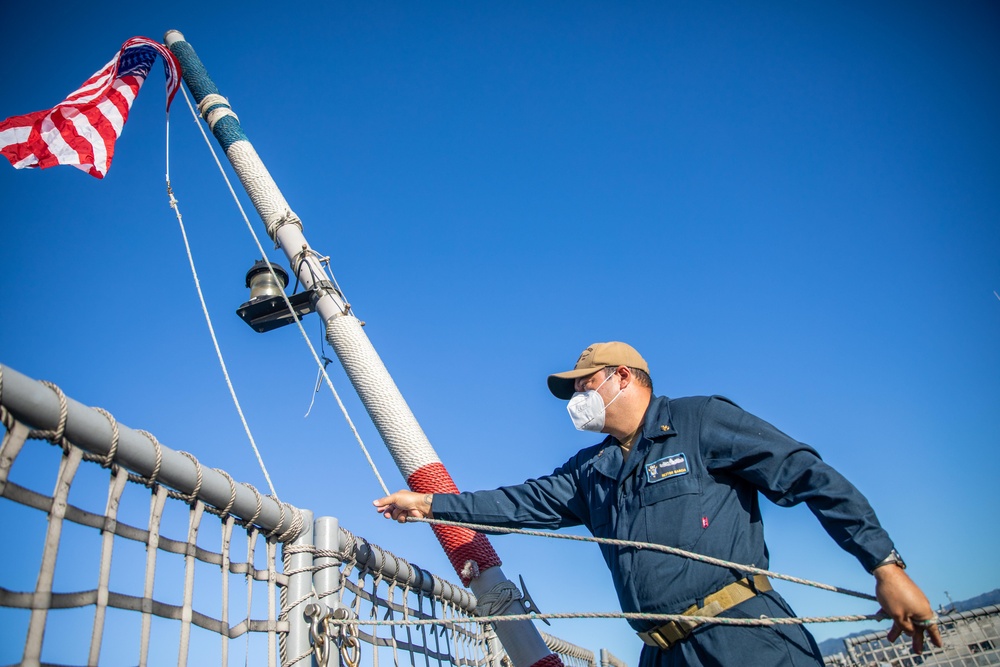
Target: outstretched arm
x=906 y=604
x=403 y=504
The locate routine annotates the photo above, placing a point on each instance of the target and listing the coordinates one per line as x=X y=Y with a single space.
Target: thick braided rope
x=193 y=496
x=281 y=533
x=151 y=480
x=224 y=512
x=498 y=599
x=281 y=518
x=260 y=502
x=749 y=569
x=58 y=434
x=113 y=449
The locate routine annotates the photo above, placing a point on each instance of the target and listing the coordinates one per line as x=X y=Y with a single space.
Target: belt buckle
x=658 y=639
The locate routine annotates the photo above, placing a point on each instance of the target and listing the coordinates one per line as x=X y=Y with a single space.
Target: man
x=687 y=473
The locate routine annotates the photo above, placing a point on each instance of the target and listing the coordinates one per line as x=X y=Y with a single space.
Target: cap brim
x=563 y=385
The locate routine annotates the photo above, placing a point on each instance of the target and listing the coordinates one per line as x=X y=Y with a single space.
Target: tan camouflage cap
x=593 y=359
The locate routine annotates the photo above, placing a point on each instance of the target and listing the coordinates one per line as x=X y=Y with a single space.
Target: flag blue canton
x=136 y=61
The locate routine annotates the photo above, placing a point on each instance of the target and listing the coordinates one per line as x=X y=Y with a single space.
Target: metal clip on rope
x=350 y=646
x=325 y=633
x=319 y=633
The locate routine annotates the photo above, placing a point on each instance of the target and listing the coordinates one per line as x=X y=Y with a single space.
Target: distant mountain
x=986 y=599
x=836 y=644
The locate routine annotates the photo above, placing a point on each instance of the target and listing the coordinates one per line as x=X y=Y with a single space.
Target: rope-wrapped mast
x=470 y=553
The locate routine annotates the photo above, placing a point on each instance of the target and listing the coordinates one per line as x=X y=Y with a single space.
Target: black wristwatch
x=892 y=559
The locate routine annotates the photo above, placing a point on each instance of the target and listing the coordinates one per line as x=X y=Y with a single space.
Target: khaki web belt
x=668 y=634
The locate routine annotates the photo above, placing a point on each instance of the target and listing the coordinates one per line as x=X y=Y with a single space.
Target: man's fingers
x=403 y=504
x=918 y=641
x=388 y=506
x=894 y=632
x=394 y=512
x=935 y=634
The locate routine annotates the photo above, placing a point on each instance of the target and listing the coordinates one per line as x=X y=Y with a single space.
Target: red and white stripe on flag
x=82 y=129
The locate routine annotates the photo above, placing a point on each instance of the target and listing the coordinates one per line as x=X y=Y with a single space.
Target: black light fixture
x=266 y=309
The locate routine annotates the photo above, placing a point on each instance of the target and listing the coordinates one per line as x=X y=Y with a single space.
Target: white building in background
x=971 y=639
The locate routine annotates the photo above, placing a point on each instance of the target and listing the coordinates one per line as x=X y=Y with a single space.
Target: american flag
x=82 y=129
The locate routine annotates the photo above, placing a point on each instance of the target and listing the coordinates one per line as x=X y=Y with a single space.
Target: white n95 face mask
x=586 y=408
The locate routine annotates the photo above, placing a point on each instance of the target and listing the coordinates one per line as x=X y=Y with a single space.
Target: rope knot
x=469 y=571
x=498 y=599
x=279 y=220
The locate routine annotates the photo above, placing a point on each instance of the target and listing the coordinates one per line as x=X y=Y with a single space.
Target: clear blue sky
x=795 y=205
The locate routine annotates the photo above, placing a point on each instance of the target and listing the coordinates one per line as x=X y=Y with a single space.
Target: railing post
x=299 y=567
x=327 y=578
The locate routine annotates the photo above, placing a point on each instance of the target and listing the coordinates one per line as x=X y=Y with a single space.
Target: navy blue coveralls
x=691 y=481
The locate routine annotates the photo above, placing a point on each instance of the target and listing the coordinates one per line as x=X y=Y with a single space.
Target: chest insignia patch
x=674 y=465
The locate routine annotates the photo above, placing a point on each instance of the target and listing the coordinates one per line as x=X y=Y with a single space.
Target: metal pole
x=470 y=553
x=298 y=593
x=327 y=576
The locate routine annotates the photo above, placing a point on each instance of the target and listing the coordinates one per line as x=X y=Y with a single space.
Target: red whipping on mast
x=470 y=553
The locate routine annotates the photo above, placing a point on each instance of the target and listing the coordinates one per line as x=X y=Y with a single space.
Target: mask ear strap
x=620 y=390
x=606 y=380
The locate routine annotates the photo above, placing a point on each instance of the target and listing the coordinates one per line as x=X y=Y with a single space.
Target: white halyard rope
x=208 y=318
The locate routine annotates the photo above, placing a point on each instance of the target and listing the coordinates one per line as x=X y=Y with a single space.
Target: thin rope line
x=633 y=616
x=651 y=546
x=208 y=320
x=288 y=303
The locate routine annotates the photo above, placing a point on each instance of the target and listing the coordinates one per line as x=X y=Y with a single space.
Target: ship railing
x=131 y=552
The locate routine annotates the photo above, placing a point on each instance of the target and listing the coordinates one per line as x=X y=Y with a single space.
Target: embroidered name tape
x=671 y=466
